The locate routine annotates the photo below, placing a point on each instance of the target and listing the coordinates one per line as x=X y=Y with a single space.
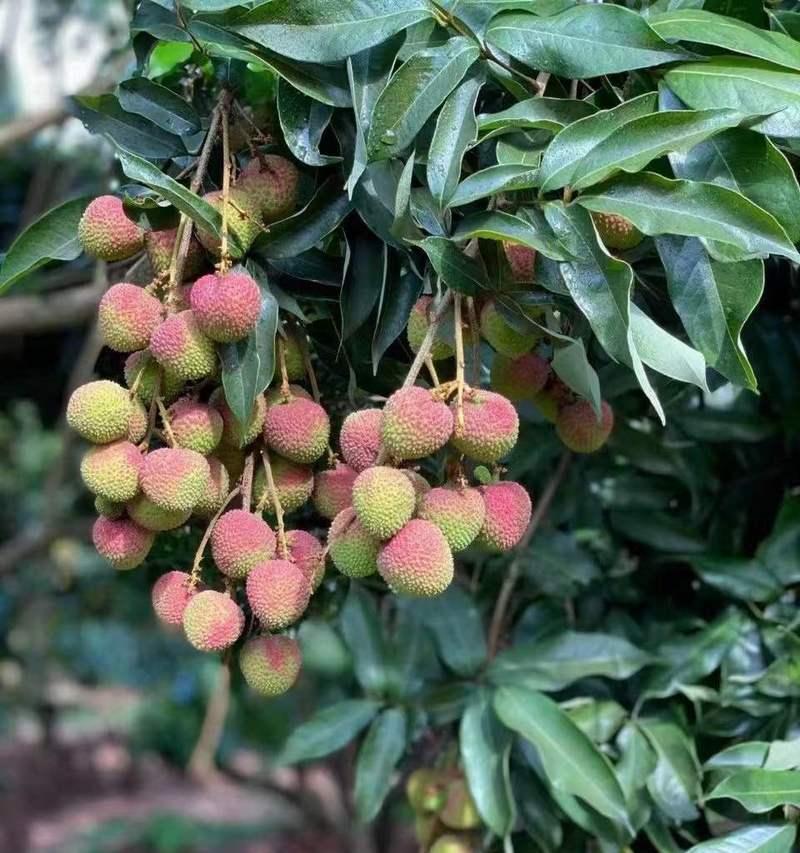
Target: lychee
x=418 y=323
x=417 y=561
x=579 y=429
x=270 y=665
x=112 y=470
x=452 y=844
x=307 y=553
x=333 y=490
x=271 y=181
x=491 y=426
x=551 y=398
x=240 y=541
x=457 y=511
x=521 y=259
x=121 y=541
x=293 y=483
x=360 y=438
x=142 y=371
x=426 y=790
x=226 y=307
x=293 y=358
x=195 y=426
x=219 y=484
x=384 y=500
x=179 y=346
x=353 y=551
x=244 y=222
x=110 y=509
x=420 y=484
x=127 y=317
x=153 y=517
x=99 y=411
x=160 y=245
x=171 y=593
x=297 y=429
x=504 y=337
x=138 y=421
x=415 y=423
x=234 y=433
x=174 y=478
x=278 y=592
x=616 y=232
x=459 y=810
x=519 y=378
x=508 y=514
x=278 y=395
x=212 y=621
x=106 y=232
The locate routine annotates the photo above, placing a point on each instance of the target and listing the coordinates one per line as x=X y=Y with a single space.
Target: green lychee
x=616 y=232
x=270 y=665
x=384 y=500
x=353 y=551
x=504 y=337
x=99 y=411
x=111 y=471
x=244 y=222
x=105 y=232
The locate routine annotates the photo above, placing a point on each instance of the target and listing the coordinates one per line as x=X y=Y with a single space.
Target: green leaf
x=414 y=93
x=780 y=551
x=703 y=27
x=160 y=105
x=598 y=719
x=713 y=301
x=303 y=121
x=485 y=748
x=573 y=144
x=498 y=225
x=571 y=761
x=752 y=839
x=760 y=790
x=637 y=760
x=572 y=367
x=493 y=180
x=458 y=271
x=361 y=628
x=383 y=747
x=658 y=205
x=166 y=55
x=456 y=130
x=674 y=785
x=52 y=237
x=535 y=113
x=455 y=622
x=584 y=41
x=399 y=297
x=739 y=577
x=249 y=365
x=321 y=31
x=328 y=730
x=364 y=278
x=748 y=85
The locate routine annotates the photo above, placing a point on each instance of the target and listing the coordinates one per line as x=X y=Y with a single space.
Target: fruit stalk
x=459 y=335
x=201 y=548
x=475 y=337
x=224 y=259
x=165 y=421
x=283 y=549
x=427 y=341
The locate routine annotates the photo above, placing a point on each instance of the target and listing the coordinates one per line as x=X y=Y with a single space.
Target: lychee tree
x=396 y=273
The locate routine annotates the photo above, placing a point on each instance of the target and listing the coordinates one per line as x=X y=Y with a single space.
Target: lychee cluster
x=446 y=818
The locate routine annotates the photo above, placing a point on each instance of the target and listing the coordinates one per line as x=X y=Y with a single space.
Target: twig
x=281 y=345
x=283 y=548
x=427 y=341
x=459 y=334
x=247 y=483
x=165 y=422
x=432 y=370
x=201 y=548
x=475 y=337
x=151 y=415
x=201 y=763
x=224 y=256
x=312 y=376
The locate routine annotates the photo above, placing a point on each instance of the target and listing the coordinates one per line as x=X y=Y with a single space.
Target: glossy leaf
x=455 y=622
x=572 y=367
x=752 y=839
x=535 y=113
x=456 y=269
x=379 y=753
x=399 y=296
x=160 y=105
x=760 y=790
x=361 y=628
x=303 y=121
x=675 y=782
x=328 y=730
x=493 y=180
x=498 y=225
x=365 y=275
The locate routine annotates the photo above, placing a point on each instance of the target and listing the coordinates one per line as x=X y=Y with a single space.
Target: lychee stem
x=201 y=548
x=283 y=549
x=144 y=444
x=432 y=370
x=225 y=259
x=165 y=422
x=427 y=342
x=281 y=347
x=475 y=336
x=247 y=483
x=459 y=334
x=312 y=376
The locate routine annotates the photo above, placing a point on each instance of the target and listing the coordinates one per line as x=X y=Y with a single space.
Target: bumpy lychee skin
x=522 y=261
x=297 y=429
x=273 y=396
x=294 y=484
x=579 y=429
x=270 y=665
x=307 y=553
x=360 y=438
x=420 y=484
x=226 y=307
x=278 y=592
x=153 y=517
x=212 y=621
x=99 y=411
x=171 y=593
x=415 y=423
x=159 y=246
x=121 y=541
x=106 y=232
x=107 y=508
x=418 y=322
x=353 y=551
x=333 y=490
x=235 y=434
x=179 y=346
x=244 y=222
x=127 y=317
x=417 y=561
x=112 y=470
x=616 y=232
x=240 y=541
x=194 y=425
x=384 y=500
x=137 y=423
x=142 y=370
x=502 y=336
x=508 y=514
x=174 y=478
x=491 y=426
x=458 y=512
x=219 y=484
x=519 y=379
x=272 y=183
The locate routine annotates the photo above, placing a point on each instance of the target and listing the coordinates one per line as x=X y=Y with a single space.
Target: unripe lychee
x=179 y=346
x=506 y=339
x=159 y=246
x=240 y=541
x=458 y=512
x=235 y=434
x=153 y=517
x=420 y=484
x=127 y=317
x=293 y=357
x=278 y=395
x=521 y=259
x=297 y=429
x=174 y=478
x=278 y=593
x=508 y=514
x=212 y=621
x=107 y=508
x=226 y=307
x=244 y=222
x=138 y=421
x=219 y=484
x=519 y=378
x=272 y=182
x=121 y=541
x=452 y=844
x=415 y=423
x=112 y=470
x=195 y=426
x=100 y=411
x=459 y=810
x=491 y=426
x=142 y=371
x=106 y=232
x=360 y=438
x=384 y=500
x=171 y=593
x=270 y=665
x=294 y=484
x=417 y=561
x=426 y=790
x=353 y=551
x=333 y=490
x=551 y=398
x=616 y=232
x=579 y=429
x=307 y=553
x=418 y=323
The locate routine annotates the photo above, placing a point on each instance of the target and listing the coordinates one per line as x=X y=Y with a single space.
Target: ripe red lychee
x=360 y=438
x=278 y=592
x=417 y=561
x=270 y=665
x=491 y=426
x=297 y=429
x=384 y=500
x=293 y=483
x=121 y=541
x=100 y=411
x=522 y=261
x=127 y=317
x=333 y=490
x=272 y=182
x=112 y=470
x=138 y=421
x=353 y=551
x=508 y=514
x=171 y=593
x=195 y=426
x=219 y=484
x=415 y=423
x=240 y=541
x=519 y=379
x=174 y=478
x=307 y=553
x=153 y=517
x=159 y=246
x=580 y=430
x=212 y=621
x=179 y=346
x=457 y=511
x=106 y=232
x=226 y=307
